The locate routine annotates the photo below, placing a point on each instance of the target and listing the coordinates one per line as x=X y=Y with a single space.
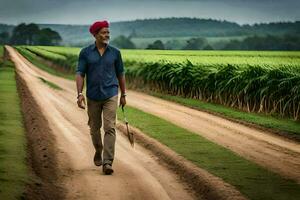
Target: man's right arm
x=80 y=73
x=79 y=83
x=80 y=97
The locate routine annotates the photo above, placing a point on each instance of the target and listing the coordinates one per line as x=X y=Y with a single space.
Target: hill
x=170 y=28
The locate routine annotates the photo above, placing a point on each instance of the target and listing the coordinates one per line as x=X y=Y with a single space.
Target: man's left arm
x=121 y=78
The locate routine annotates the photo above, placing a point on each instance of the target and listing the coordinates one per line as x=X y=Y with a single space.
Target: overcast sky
x=86 y=12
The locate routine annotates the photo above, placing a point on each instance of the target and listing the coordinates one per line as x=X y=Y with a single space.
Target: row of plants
x=48 y=67
x=253 y=88
x=260 y=87
x=266 y=58
x=67 y=62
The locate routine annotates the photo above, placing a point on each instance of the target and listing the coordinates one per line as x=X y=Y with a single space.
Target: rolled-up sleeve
x=119 y=65
x=82 y=64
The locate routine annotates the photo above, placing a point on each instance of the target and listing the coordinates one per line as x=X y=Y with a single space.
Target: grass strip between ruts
x=13 y=167
x=38 y=63
x=252 y=180
x=288 y=126
x=50 y=84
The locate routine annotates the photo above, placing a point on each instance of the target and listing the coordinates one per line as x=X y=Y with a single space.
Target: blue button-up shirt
x=101 y=71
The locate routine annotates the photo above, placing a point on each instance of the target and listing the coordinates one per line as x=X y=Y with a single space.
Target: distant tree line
x=194 y=27
x=78 y=35
x=158 y=44
x=123 y=42
x=191 y=44
x=268 y=42
x=4 y=37
x=30 y=34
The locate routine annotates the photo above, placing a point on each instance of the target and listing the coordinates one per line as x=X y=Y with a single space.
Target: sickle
x=129 y=134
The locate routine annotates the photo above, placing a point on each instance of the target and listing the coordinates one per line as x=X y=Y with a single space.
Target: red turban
x=97 y=26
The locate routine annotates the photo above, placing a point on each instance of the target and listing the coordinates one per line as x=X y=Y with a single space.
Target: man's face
x=103 y=35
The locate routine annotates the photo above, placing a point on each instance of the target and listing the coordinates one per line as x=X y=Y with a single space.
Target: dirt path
x=269 y=150
x=279 y=155
x=138 y=174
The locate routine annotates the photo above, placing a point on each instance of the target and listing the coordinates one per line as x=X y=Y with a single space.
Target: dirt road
x=138 y=174
x=280 y=155
x=269 y=150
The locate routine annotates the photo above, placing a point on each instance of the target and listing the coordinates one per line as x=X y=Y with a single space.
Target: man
x=102 y=64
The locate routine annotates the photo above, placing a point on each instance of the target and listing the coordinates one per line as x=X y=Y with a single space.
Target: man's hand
x=122 y=101
x=81 y=101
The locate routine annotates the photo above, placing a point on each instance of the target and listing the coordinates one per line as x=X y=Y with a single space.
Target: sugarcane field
x=192 y=102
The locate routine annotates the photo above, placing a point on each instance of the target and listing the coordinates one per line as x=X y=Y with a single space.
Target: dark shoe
x=97 y=159
x=107 y=169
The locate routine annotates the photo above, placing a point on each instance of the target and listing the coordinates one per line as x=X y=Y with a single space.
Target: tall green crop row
x=273 y=58
x=252 y=88
x=66 y=62
x=266 y=82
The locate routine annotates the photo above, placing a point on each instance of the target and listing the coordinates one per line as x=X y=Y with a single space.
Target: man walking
x=103 y=67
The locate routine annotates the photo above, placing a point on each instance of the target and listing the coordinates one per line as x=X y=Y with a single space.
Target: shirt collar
x=93 y=47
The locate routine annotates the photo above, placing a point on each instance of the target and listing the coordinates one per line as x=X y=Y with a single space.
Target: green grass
x=288 y=126
x=252 y=180
x=13 y=168
x=50 y=84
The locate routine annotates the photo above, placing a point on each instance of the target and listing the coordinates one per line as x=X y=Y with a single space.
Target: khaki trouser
x=95 y=109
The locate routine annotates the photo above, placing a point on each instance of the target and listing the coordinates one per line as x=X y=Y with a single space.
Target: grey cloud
x=84 y=12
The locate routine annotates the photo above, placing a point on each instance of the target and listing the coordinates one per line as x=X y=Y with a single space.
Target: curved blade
x=130 y=135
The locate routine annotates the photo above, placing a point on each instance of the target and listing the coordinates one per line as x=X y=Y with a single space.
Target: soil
x=281 y=155
x=41 y=155
x=140 y=173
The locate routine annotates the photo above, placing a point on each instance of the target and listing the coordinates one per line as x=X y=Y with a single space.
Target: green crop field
x=46 y=54
x=265 y=58
x=258 y=82
x=254 y=81
x=274 y=59
x=61 y=50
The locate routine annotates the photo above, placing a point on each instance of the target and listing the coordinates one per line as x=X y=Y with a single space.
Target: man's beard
x=106 y=41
